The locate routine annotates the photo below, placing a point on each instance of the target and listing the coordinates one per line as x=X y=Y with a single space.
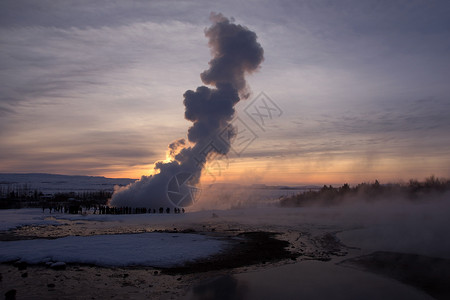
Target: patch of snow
x=13 y=218
x=58 y=265
x=146 y=249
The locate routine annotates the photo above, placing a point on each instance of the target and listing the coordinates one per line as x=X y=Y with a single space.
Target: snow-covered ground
x=145 y=249
x=13 y=218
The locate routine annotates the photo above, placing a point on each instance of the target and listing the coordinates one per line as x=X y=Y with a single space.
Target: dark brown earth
x=250 y=248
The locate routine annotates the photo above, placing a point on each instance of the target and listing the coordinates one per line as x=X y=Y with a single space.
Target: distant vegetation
x=328 y=195
x=21 y=196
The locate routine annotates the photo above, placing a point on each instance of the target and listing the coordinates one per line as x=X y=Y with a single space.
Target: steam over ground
x=235 y=53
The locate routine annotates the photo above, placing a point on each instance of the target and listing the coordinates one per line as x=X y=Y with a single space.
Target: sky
x=358 y=89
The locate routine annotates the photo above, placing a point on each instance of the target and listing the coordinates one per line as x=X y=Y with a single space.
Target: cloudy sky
x=96 y=88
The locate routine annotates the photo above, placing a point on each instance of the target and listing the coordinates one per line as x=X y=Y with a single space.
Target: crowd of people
x=66 y=209
x=107 y=210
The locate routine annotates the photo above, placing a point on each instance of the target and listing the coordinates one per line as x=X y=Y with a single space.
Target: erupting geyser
x=235 y=52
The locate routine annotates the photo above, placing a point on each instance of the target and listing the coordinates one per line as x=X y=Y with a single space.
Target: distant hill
x=53 y=183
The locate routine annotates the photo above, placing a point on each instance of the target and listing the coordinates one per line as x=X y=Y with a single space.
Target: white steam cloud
x=236 y=53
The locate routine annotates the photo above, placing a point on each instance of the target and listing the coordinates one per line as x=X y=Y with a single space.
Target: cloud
x=61 y=85
x=86 y=152
x=350 y=74
x=84 y=14
x=236 y=53
x=41 y=62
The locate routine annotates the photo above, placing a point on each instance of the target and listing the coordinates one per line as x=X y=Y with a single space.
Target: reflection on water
x=224 y=287
x=304 y=280
x=429 y=274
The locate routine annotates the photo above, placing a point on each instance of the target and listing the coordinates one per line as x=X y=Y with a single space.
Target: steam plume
x=235 y=53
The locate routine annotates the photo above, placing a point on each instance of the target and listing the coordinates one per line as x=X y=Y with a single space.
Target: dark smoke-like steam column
x=235 y=52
